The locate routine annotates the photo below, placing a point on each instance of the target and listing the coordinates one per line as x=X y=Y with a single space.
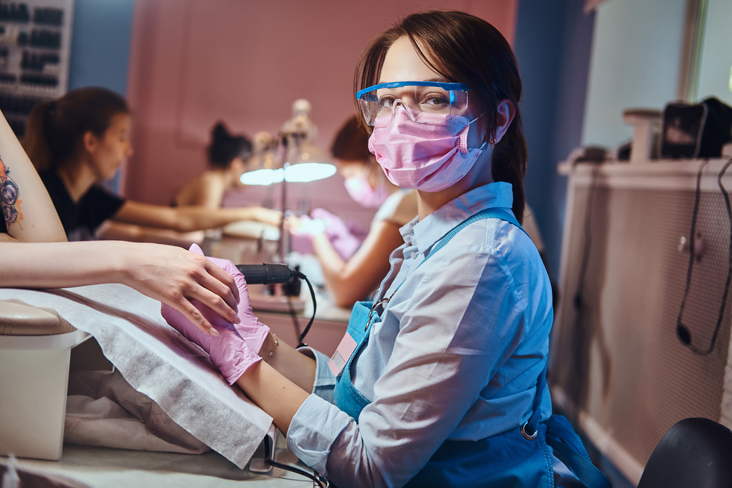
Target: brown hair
x=351 y=142
x=55 y=127
x=464 y=49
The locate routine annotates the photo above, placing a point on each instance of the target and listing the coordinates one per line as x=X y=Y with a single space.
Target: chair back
x=694 y=452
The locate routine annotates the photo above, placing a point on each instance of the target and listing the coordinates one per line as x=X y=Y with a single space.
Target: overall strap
x=562 y=438
x=505 y=214
x=501 y=213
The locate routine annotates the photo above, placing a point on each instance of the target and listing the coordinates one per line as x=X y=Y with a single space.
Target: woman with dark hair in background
x=353 y=269
x=79 y=141
x=441 y=380
x=227 y=156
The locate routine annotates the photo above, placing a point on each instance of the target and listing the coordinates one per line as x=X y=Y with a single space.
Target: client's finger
x=195 y=316
x=216 y=303
x=220 y=275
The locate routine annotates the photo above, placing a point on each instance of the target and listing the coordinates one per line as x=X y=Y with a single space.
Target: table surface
x=101 y=467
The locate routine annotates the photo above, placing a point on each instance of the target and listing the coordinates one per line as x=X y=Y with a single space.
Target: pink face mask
x=360 y=190
x=429 y=154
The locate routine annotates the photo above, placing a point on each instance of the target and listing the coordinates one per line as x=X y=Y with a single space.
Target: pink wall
x=245 y=61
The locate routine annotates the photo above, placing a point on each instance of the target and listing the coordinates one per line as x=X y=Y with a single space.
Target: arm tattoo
x=9 y=197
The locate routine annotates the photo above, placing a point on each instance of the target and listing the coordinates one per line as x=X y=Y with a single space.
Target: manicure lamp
x=301 y=161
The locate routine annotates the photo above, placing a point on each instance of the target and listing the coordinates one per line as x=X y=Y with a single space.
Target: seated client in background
x=227 y=155
x=79 y=141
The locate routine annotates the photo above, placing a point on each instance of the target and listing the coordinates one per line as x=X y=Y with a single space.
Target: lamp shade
x=301 y=161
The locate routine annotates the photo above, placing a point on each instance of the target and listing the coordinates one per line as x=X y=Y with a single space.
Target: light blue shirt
x=456 y=355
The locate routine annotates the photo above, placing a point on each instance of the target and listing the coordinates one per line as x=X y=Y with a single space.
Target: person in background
x=227 y=155
x=353 y=269
x=79 y=141
x=34 y=252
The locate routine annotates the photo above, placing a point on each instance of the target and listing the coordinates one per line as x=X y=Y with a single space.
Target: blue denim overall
x=520 y=457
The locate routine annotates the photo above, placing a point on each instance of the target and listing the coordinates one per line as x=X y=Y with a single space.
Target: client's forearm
x=273 y=393
x=60 y=264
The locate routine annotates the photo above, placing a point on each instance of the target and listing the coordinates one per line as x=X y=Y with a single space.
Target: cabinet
x=616 y=362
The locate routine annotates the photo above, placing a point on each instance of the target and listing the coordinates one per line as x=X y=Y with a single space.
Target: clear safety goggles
x=429 y=97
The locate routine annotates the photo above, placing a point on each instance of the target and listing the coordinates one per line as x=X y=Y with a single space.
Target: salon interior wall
x=636 y=62
x=193 y=63
x=715 y=67
x=553 y=45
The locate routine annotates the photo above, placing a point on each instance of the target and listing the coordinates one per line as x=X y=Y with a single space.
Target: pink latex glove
x=338 y=233
x=301 y=237
x=236 y=347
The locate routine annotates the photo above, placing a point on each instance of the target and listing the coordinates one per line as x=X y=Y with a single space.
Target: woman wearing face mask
x=441 y=381
x=79 y=141
x=227 y=154
x=353 y=269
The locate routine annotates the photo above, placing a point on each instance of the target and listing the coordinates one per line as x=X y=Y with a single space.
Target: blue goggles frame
x=398 y=84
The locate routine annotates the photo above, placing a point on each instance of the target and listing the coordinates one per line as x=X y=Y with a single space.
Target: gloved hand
x=302 y=231
x=236 y=347
x=338 y=233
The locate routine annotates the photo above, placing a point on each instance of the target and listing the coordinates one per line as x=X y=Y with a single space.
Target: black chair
x=695 y=453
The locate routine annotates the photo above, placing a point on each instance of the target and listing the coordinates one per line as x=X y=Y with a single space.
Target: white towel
x=102 y=409
x=160 y=363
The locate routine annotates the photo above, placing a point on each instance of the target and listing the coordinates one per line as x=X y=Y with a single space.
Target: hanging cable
x=301 y=339
x=682 y=331
x=315 y=478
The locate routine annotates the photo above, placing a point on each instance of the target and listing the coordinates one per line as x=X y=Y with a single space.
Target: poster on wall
x=35 y=47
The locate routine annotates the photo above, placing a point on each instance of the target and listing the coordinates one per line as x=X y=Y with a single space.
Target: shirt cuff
x=314 y=429
x=325 y=381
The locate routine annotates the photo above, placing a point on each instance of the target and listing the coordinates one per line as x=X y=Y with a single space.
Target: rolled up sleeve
x=314 y=428
x=325 y=381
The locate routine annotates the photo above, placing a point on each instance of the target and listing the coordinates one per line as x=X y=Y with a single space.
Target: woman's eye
x=435 y=99
x=387 y=102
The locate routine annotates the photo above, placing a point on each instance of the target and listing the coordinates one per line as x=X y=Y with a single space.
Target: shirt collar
x=425 y=233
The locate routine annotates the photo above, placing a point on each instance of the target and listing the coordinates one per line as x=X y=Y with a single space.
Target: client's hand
x=177 y=277
x=302 y=232
x=267 y=215
x=236 y=347
x=305 y=226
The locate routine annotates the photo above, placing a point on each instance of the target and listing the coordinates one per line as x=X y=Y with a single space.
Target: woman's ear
x=506 y=110
x=89 y=141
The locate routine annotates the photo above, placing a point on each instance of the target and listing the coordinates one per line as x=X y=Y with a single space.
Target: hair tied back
x=220 y=133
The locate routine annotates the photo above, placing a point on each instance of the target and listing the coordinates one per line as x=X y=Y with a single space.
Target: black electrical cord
x=682 y=331
x=312 y=295
x=293 y=314
x=315 y=478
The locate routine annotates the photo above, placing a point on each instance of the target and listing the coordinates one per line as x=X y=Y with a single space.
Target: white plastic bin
x=34 y=374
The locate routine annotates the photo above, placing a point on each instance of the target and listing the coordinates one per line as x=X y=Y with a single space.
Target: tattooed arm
x=27 y=209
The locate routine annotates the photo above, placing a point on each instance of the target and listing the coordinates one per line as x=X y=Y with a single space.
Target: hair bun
x=219 y=132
